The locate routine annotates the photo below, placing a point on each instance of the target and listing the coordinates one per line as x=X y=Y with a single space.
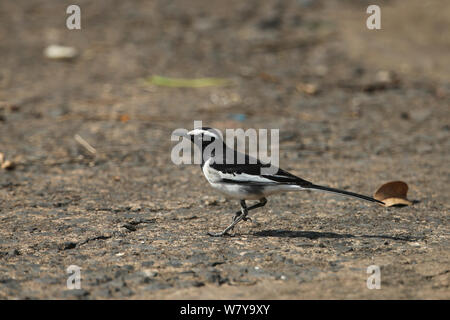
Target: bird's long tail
x=343 y=192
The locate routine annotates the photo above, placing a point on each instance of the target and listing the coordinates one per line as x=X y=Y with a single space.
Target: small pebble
x=8 y=165
x=58 y=52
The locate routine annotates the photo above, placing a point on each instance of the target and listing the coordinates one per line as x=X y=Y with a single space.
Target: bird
x=247 y=181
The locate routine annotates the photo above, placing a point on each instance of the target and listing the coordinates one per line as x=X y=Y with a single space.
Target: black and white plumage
x=246 y=181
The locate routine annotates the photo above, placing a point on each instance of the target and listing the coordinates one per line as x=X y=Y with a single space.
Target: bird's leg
x=262 y=202
x=243 y=214
x=240 y=215
x=240 y=212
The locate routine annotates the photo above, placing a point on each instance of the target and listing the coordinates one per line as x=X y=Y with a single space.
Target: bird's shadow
x=317 y=235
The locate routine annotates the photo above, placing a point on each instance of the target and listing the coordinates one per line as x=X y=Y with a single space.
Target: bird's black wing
x=235 y=173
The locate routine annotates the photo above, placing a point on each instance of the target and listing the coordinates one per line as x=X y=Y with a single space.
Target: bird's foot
x=219 y=234
x=235 y=217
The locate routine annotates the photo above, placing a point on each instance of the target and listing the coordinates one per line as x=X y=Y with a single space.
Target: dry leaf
x=188 y=83
x=308 y=88
x=124 y=118
x=393 y=193
x=268 y=77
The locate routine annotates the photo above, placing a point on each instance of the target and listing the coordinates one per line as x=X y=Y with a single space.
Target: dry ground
x=355 y=108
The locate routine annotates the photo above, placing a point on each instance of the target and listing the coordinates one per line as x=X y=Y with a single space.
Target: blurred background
x=293 y=64
x=86 y=133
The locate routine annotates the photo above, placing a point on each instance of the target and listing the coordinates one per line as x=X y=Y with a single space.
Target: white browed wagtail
x=247 y=181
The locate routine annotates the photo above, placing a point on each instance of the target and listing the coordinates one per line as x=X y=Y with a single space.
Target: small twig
x=85 y=144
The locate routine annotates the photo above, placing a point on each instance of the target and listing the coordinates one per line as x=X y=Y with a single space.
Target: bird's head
x=205 y=135
x=202 y=137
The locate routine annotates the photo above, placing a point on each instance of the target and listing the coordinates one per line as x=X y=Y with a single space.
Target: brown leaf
x=308 y=88
x=124 y=118
x=393 y=193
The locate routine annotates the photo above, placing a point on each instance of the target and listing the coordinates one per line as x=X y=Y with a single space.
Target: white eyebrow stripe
x=204 y=132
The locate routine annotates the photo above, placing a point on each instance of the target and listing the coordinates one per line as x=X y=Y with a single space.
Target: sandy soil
x=355 y=108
